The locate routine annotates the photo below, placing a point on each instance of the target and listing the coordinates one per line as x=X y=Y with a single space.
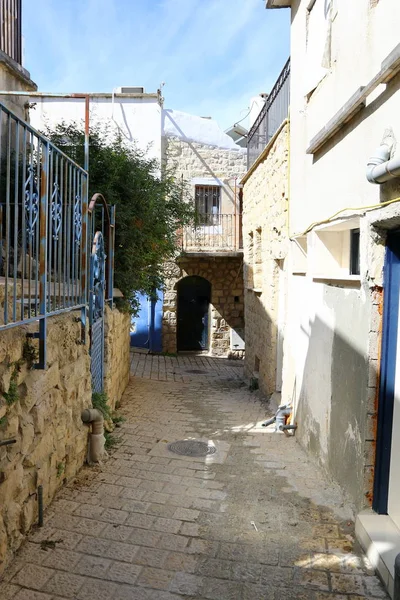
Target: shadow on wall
x=332 y=411
x=328 y=377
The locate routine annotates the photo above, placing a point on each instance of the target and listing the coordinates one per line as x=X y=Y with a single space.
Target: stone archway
x=193 y=304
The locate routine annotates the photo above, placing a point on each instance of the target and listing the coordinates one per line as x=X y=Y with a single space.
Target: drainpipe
x=380 y=166
x=96 y=451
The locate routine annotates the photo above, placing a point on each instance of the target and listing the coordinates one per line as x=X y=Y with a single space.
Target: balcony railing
x=213 y=233
x=43 y=228
x=10 y=29
x=272 y=114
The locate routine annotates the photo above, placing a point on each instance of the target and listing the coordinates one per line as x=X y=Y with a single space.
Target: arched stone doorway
x=194 y=297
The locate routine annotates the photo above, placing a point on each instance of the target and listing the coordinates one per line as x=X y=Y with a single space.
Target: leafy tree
x=151 y=208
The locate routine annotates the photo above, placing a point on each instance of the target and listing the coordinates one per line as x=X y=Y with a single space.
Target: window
x=207 y=203
x=354 y=252
x=334 y=250
x=318 y=41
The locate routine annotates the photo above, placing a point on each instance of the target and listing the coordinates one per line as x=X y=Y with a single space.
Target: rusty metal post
x=87 y=102
x=84 y=254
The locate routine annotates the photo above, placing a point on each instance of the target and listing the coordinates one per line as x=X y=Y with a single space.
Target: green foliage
x=29 y=353
x=111 y=440
x=60 y=469
x=3 y=421
x=12 y=395
x=100 y=401
x=118 y=418
x=150 y=209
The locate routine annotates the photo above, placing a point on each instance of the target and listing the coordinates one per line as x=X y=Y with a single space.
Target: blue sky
x=213 y=55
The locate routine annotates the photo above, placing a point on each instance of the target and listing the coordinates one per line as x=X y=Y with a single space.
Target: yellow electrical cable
x=356 y=208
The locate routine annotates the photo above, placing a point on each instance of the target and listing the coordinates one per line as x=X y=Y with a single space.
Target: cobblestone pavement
x=255 y=520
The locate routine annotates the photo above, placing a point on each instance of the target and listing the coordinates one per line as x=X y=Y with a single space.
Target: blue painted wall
x=148 y=323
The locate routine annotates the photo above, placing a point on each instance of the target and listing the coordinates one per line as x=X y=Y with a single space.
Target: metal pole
x=40 y=505
x=396 y=594
x=87 y=101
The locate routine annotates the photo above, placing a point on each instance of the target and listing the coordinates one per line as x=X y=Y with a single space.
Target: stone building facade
x=226 y=310
x=265 y=240
x=201 y=154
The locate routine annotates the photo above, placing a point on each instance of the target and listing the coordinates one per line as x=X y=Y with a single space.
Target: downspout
x=96 y=450
x=380 y=166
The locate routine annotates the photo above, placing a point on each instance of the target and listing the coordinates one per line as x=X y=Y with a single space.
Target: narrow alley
x=254 y=520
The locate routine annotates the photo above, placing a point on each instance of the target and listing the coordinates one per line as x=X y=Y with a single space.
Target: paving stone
x=30 y=595
x=143 y=537
x=155 y=578
x=312 y=579
x=64 y=584
x=140 y=520
x=347 y=584
x=188 y=585
x=173 y=542
x=151 y=557
x=32 y=576
x=186 y=514
x=58 y=558
x=123 y=572
x=8 y=590
x=247 y=572
x=92 y=566
x=223 y=590
x=177 y=561
x=276 y=576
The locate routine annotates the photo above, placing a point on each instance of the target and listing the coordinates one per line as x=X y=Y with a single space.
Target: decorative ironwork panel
x=31 y=202
x=97 y=355
x=96 y=310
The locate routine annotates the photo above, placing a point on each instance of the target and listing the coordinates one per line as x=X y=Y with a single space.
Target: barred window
x=207 y=202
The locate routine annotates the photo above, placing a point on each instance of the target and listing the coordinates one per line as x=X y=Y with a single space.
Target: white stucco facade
x=334 y=315
x=136 y=116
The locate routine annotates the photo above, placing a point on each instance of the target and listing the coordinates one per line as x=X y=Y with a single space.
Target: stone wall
x=116 y=354
x=226 y=309
x=43 y=413
x=13 y=77
x=265 y=240
x=44 y=418
x=191 y=159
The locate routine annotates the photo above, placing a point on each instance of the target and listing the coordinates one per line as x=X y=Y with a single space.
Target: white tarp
x=191 y=128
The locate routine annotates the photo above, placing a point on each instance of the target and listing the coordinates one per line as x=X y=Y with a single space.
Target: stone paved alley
x=255 y=520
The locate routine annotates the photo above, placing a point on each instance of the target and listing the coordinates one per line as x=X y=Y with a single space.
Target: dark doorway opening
x=194 y=296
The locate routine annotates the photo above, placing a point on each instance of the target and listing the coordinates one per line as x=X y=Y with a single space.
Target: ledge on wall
x=17 y=70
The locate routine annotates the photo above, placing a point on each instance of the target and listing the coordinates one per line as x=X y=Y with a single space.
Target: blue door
x=387 y=470
x=146 y=330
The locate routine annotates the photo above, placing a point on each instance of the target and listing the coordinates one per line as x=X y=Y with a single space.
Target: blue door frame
x=148 y=323
x=388 y=372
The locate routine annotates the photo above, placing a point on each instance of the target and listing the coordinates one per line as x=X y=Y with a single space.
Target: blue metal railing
x=43 y=229
x=272 y=115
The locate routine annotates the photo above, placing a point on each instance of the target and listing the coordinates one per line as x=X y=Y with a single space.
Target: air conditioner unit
x=237 y=339
x=130 y=90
